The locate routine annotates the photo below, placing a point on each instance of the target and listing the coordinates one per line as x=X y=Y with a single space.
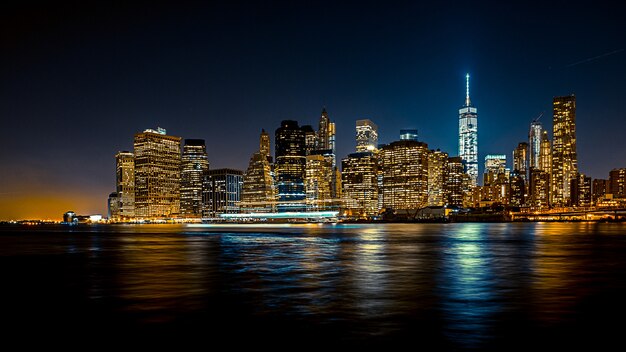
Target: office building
x=318 y=183
x=405 y=175
x=194 y=165
x=157 y=174
x=520 y=161
x=359 y=178
x=437 y=172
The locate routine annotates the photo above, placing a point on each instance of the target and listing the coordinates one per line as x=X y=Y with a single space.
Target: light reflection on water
x=456 y=285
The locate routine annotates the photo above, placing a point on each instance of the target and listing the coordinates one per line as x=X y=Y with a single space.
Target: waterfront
x=466 y=285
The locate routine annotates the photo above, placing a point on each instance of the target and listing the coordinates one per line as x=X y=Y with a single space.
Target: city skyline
x=79 y=123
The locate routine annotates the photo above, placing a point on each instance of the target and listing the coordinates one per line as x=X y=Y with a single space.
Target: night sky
x=78 y=80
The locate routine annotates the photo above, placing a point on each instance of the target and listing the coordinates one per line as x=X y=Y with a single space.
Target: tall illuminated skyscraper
x=157 y=174
x=405 y=175
x=290 y=166
x=125 y=184
x=564 y=157
x=194 y=166
x=366 y=135
x=534 y=143
x=468 y=136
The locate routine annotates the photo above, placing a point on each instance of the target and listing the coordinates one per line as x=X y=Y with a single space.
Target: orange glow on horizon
x=49 y=206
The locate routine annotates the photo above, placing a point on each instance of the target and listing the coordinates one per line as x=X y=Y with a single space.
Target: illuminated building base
x=284 y=215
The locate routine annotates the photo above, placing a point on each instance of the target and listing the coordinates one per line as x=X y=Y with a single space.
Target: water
x=445 y=286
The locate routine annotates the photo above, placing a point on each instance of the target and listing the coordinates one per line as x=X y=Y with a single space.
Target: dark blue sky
x=78 y=80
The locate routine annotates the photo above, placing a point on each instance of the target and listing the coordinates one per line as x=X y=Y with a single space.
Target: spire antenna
x=467 y=98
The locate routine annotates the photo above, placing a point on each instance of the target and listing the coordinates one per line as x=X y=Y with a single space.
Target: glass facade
x=221 y=192
x=290 y=166
x=194 y=166
x=534 y=143
x=468 y=136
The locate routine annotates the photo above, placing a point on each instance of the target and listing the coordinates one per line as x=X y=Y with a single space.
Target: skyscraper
x=468 y=136
x=360 y=184
x=221 y=192
x=366 y=135
x=290 y=166
x=405 y=175
x=157 y=174
x=258 y=193
x=437 y=171
x=125 y=185
x=194 y=165
x=534 y=142
x=564 y=157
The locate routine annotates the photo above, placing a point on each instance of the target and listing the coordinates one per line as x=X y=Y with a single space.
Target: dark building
x=617 y=183
x=539 y=188
x=518 y=189
x=290 y=153
x=580 y=187
x=454 y=190
x=221 y=192
x=600 y=188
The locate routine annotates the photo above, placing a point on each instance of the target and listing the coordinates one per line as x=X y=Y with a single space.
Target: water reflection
x=467 y=285
x=452 y=285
